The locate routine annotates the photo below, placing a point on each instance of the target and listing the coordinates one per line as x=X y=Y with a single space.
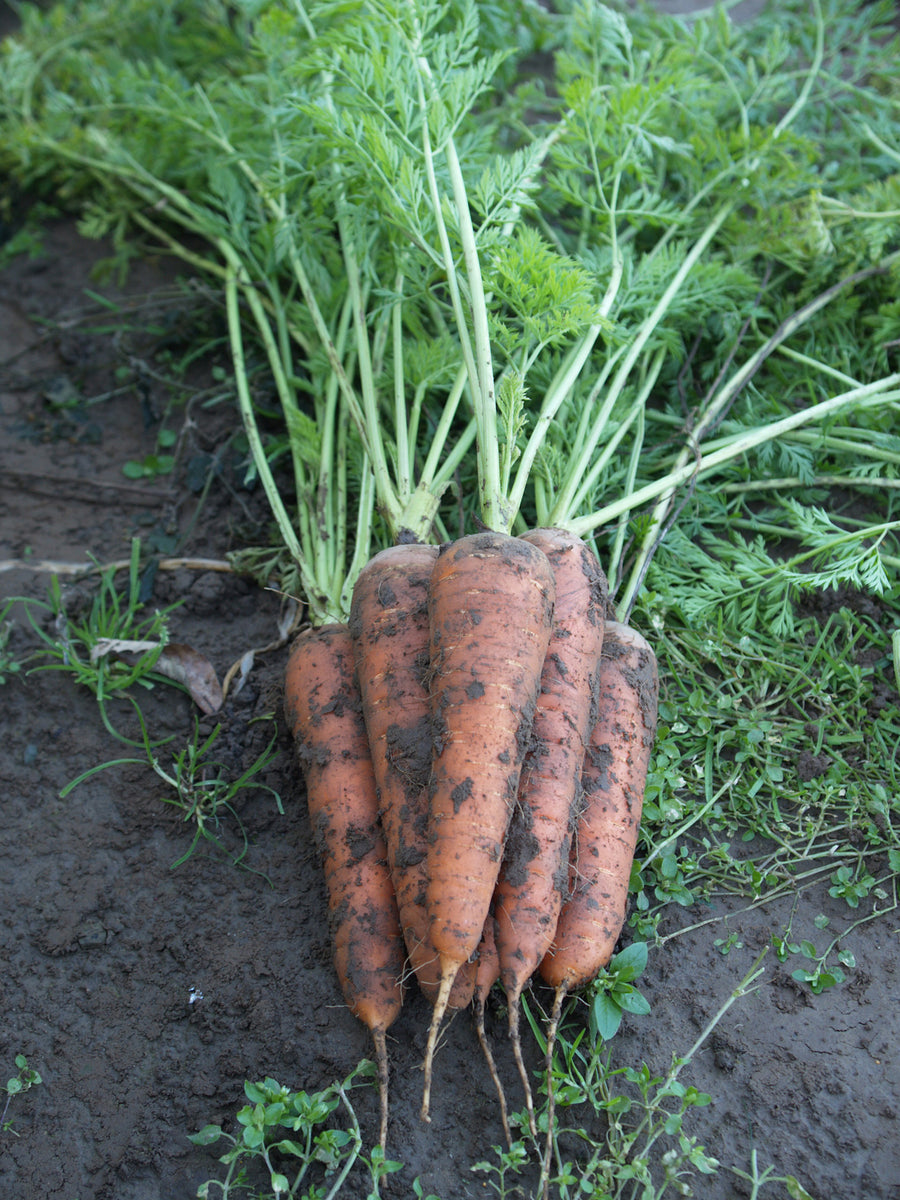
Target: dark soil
x=145 y=995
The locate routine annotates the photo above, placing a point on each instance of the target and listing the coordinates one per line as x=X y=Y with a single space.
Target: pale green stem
x=564 y=507
x=430 y=470
x=873 y=394
x=336 y=493
x=415 y=416
x=794 y=481
x=494 y=506
x=336 y=499
x=363 y=542
x=279 y=376
x=826 y=369
x=612 y=567
x=890 y=151
x=456 y=456
x=815 y=66
x=561 y=386
x=446 y=249
x=853 y=446
x=245 y=404
x=848 y=445
x=387 y=496
x=599 y=384
x=612 y=444
x=403 y=433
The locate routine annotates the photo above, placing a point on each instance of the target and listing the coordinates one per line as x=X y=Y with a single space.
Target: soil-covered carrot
x=324 y=713
x=534 y=877
x=389 y=626
x=613 y=779
x=490 y=612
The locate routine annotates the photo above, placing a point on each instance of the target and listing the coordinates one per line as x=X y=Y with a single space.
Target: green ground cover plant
x=24 y=1079
x=646 y=291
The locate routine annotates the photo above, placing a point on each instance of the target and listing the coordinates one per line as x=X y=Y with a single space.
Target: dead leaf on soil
x=177 y=661
x=237 y=674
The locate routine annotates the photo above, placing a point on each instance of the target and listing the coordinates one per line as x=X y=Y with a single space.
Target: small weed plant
x=295 y=1145
x=199 y=787
x=159 y=462
x=25 y=1078
x=73 y=644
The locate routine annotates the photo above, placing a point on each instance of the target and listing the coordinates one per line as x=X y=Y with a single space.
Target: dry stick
x=85 y=491
x=119 y=564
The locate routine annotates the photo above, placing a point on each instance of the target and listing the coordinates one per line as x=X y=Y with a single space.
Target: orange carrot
x=490 y=611
x=323 y=710
x=534 y=876
x=389 y=625
x=613 y=779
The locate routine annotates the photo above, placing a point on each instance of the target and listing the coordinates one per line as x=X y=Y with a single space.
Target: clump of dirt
x=145 y=995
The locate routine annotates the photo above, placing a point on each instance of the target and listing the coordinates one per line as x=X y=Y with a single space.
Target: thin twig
x=89 y=491
x=122 y=564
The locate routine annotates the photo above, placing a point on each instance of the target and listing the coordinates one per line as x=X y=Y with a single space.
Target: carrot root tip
x=381 y=1060
x=492 y=1068
x=448 y=974
x=520 y=1062
x=552 y=1027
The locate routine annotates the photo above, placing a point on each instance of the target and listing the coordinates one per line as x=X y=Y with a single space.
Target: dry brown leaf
x=238 y=673
x=104 y=646
x=177 y=661
x=185 y=665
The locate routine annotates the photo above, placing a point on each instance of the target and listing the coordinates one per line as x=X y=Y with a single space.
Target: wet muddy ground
x=145 y=995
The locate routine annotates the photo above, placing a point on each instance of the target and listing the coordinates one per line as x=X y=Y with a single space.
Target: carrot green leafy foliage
x=596 y=291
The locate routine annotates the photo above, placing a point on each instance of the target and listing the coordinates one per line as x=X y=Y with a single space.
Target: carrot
x=613 y=779
x=487 y=974
x=389 y=626
x=490 y=608
x=534 y=876
x=322 y=706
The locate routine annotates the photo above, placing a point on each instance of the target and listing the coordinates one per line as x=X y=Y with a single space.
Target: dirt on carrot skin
x=146 y=996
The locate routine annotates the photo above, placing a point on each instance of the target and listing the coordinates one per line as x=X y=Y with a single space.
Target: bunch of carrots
x=475 y=741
